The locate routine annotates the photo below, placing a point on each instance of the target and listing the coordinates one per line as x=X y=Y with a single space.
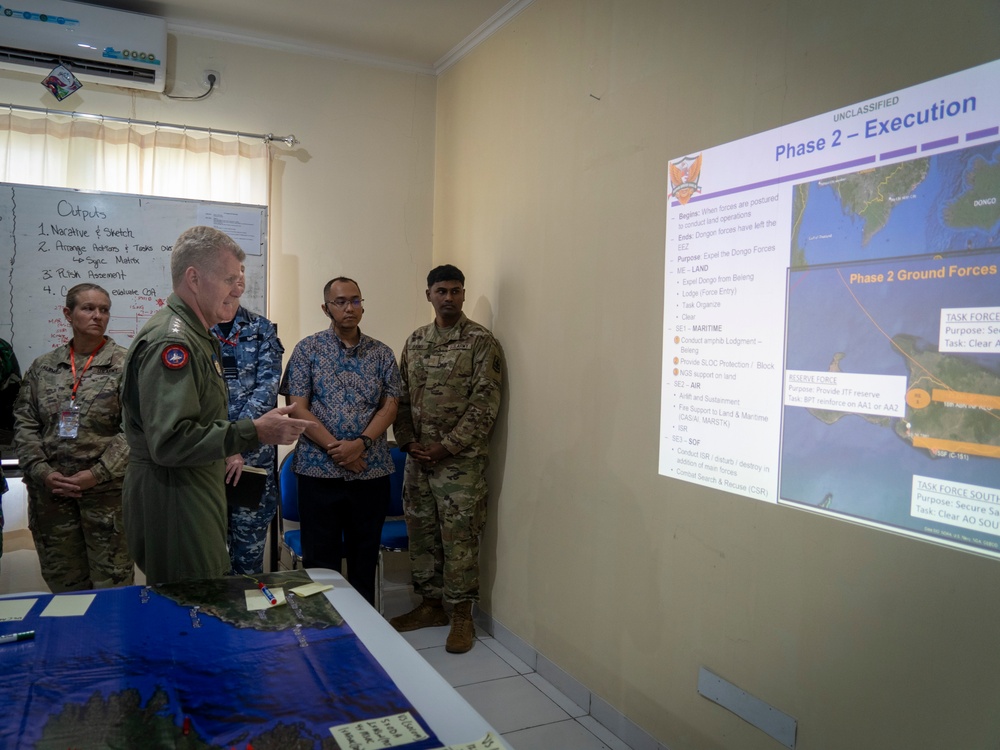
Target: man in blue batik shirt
x=347 y=385
x=251 y=363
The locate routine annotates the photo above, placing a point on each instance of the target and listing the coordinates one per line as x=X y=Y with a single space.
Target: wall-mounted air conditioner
x=100 y=45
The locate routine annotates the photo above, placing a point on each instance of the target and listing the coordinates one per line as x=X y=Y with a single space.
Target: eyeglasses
x=341 y=303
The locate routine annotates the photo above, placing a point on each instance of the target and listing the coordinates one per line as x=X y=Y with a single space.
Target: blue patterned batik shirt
x=343 y=387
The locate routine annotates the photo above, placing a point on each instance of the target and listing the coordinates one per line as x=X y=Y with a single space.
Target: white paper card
x=68 y=605
x=389 y=731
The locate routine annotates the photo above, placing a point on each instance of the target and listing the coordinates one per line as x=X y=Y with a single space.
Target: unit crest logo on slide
x=684 y=174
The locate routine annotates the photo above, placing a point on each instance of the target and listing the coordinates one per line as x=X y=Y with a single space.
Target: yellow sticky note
x=15 y=609
x=308 y=589
x=68 y=605
x=256 y=599
x=489 y=742
x=389 y=731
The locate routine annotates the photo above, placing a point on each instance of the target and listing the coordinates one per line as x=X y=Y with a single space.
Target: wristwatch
x=367 y=441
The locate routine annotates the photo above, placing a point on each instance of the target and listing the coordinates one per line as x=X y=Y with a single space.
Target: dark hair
x=75 y=292
x=331 y=282
x=444 y=273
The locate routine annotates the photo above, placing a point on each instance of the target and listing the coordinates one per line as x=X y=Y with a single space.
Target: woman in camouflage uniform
x=73 y=453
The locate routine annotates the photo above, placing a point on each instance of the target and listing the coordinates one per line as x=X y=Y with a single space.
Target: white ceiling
x=421 y=35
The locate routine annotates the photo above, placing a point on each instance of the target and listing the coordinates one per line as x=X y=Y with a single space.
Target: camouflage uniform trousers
x=445 y=508
x=247 y=534
x=80 y=541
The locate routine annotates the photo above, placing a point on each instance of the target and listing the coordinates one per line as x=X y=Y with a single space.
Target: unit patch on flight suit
x=175 y=356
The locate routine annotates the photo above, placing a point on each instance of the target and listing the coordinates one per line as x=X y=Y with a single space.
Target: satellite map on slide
x=938 y=204
x=876 y=256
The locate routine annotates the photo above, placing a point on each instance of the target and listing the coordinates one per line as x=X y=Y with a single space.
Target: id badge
x=69 y=421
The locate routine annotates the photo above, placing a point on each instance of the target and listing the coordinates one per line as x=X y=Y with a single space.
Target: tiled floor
x=526 y=709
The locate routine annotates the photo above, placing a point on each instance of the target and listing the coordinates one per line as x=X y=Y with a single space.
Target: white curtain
x=88 y=153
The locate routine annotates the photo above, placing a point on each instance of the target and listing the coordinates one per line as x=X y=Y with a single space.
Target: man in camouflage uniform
x=451 y=378
x=251 y=364
x=175 y=413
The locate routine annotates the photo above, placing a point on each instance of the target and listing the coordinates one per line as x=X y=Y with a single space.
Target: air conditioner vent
x=124 y=73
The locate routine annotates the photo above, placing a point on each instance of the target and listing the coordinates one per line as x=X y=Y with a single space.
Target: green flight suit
x=175 y=414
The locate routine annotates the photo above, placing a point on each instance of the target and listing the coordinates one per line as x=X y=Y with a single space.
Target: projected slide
x=832 y=314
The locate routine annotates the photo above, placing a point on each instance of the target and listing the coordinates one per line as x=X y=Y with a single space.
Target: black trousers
x=343 y=519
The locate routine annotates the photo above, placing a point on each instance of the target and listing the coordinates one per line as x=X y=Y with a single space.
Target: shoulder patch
x=496 y=363
x=175 y=356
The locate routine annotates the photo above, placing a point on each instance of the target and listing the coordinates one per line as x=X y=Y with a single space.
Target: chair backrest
x=396 y=482
x=288 y=489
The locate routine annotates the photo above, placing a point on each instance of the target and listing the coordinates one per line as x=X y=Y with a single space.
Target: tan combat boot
x=462 y=630
x=428 y=614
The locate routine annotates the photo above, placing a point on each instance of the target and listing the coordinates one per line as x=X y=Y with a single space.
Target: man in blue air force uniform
x=251 y=364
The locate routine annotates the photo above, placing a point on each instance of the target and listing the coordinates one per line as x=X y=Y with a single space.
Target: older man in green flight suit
x=174 y=410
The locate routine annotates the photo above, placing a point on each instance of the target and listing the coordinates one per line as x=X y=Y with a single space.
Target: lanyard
x=72 y=364
x=235 y=336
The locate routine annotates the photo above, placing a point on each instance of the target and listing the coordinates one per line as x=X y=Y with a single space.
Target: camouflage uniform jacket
x=253 y=387
x=451 y=388
x=45 y=391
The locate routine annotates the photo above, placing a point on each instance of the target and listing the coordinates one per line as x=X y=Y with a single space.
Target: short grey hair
x=201 y=247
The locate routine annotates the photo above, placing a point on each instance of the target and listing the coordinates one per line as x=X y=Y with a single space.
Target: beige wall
x=354 y=198
x=552 y=144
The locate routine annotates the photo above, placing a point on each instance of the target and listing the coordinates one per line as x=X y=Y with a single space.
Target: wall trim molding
x=335 y=52
x=500 y=19
x=285 y=44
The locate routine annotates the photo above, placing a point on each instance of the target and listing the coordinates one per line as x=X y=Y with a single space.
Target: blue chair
x=394 y=536
x=288 y=495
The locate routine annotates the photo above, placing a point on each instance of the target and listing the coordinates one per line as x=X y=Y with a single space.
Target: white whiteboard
x=54 y=238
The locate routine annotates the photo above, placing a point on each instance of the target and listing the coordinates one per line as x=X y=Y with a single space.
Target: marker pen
x=270 y=597
x=28 y=635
